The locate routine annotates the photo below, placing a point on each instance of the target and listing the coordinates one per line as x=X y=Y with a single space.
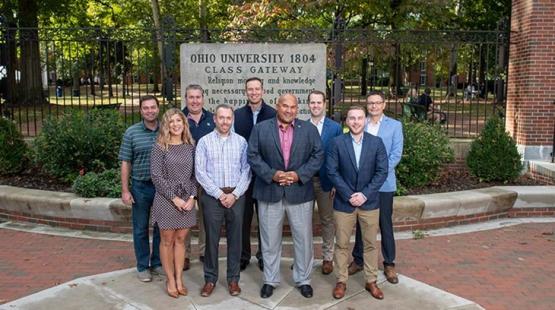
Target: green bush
x=103 y=184
x=79 y=141
x=13 y=150
x=493 y=156
x=426 y=148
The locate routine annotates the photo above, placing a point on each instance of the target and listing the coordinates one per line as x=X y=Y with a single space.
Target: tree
x=30 y=57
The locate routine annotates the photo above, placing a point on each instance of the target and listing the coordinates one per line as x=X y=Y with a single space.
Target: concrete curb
x=410 y=212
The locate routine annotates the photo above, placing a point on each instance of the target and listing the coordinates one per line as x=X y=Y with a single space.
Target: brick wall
x=541 y=178
x=531 y=84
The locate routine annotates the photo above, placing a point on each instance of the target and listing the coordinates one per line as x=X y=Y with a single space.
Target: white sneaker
x=144 y=276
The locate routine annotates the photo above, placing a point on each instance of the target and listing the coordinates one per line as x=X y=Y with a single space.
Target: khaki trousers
x=344 y=225
x=325 y=212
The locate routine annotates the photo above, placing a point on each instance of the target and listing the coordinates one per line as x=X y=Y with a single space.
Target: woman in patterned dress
x=172 y=172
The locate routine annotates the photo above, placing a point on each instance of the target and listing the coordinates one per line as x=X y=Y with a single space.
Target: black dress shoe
x=261 y=264
x=306 y=290
x=243 y=265
x=266 y=291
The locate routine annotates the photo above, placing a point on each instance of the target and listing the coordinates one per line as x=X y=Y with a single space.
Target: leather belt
x=227 y=190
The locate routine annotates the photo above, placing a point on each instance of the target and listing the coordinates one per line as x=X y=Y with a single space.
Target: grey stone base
x=535 y=152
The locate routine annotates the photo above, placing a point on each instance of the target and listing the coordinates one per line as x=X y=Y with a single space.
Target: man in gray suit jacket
x=285 y=153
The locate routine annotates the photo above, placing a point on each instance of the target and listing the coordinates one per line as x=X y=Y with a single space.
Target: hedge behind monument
x=12 y=148
x=426 y=148
x=79 y=142
x=493 y=156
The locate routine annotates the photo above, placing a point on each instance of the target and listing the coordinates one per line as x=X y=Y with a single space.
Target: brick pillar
x=531 y=86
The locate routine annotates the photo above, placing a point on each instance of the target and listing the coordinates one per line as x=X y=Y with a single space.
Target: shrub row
x=82 y=147
x=79 y=142
x=13 y=150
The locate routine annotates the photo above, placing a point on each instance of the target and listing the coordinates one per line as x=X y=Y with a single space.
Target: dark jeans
x=143 y=194
x=386 y=231
x=250 y=206
x=215 y=214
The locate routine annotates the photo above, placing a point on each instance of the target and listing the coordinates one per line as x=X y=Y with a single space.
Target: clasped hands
x=357 y=199
x=285 y=178
x=227 y=200
x=184 y=205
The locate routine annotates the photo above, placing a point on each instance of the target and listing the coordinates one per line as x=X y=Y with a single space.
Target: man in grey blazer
x=285 y=153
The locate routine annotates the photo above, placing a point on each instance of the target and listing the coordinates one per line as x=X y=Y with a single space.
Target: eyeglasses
x=375 y=102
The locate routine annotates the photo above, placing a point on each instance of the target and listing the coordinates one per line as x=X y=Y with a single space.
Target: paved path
x=505 y=268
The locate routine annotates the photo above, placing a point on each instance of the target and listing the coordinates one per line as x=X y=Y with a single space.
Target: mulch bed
x=459 y=180
x=449 y=181
x=36 y=180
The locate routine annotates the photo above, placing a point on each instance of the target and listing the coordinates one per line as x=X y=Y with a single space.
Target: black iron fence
x=46 y=71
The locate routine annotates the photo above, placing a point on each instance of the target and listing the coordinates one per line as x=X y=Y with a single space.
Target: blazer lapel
x=275 y=136
x=384 y=124
x=296 y=135
x=325 y=129
x=365 y=150
x=350 y=150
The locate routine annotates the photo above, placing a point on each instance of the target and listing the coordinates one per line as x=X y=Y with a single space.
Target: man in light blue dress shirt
x=391 y=133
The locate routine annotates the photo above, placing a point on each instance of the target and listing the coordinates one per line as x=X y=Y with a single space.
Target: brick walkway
x=33 y=262
x=508 y=268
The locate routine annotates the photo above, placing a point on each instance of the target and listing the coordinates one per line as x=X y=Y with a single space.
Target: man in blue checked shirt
x=222 y=170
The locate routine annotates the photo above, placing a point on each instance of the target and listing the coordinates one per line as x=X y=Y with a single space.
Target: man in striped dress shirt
x=222 y=170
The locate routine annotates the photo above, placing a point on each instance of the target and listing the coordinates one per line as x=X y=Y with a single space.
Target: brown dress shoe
x=390 y=274
x=207 y=289
x=186 y=264
x=339 y=290
x=354 y=268
x=327 y=267
x=374 y=290
x=234 y=289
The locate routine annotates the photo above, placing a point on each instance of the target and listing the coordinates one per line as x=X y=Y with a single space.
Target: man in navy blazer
x=285 y=153
x=391 y=132
x=328 y=129
x=357 y=167
x=254 y=112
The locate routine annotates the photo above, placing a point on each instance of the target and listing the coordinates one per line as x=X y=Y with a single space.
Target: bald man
x=285 y=153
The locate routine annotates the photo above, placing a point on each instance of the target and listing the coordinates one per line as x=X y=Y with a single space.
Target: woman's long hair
x=164 y=135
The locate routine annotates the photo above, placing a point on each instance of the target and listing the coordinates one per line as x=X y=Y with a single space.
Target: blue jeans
x=143 y=194
x=386 y=232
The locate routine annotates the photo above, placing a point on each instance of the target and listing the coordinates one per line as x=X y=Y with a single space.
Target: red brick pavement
x=33 y=262
x=508 y=268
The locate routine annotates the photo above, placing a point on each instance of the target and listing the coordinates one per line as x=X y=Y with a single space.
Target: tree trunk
x=158 y=37
x=482 y=71
x=31 y=84
x=338 y=83
x=452 y=87
x=203 y=21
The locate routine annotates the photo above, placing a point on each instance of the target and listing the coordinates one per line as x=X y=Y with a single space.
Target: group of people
x=234 y=163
